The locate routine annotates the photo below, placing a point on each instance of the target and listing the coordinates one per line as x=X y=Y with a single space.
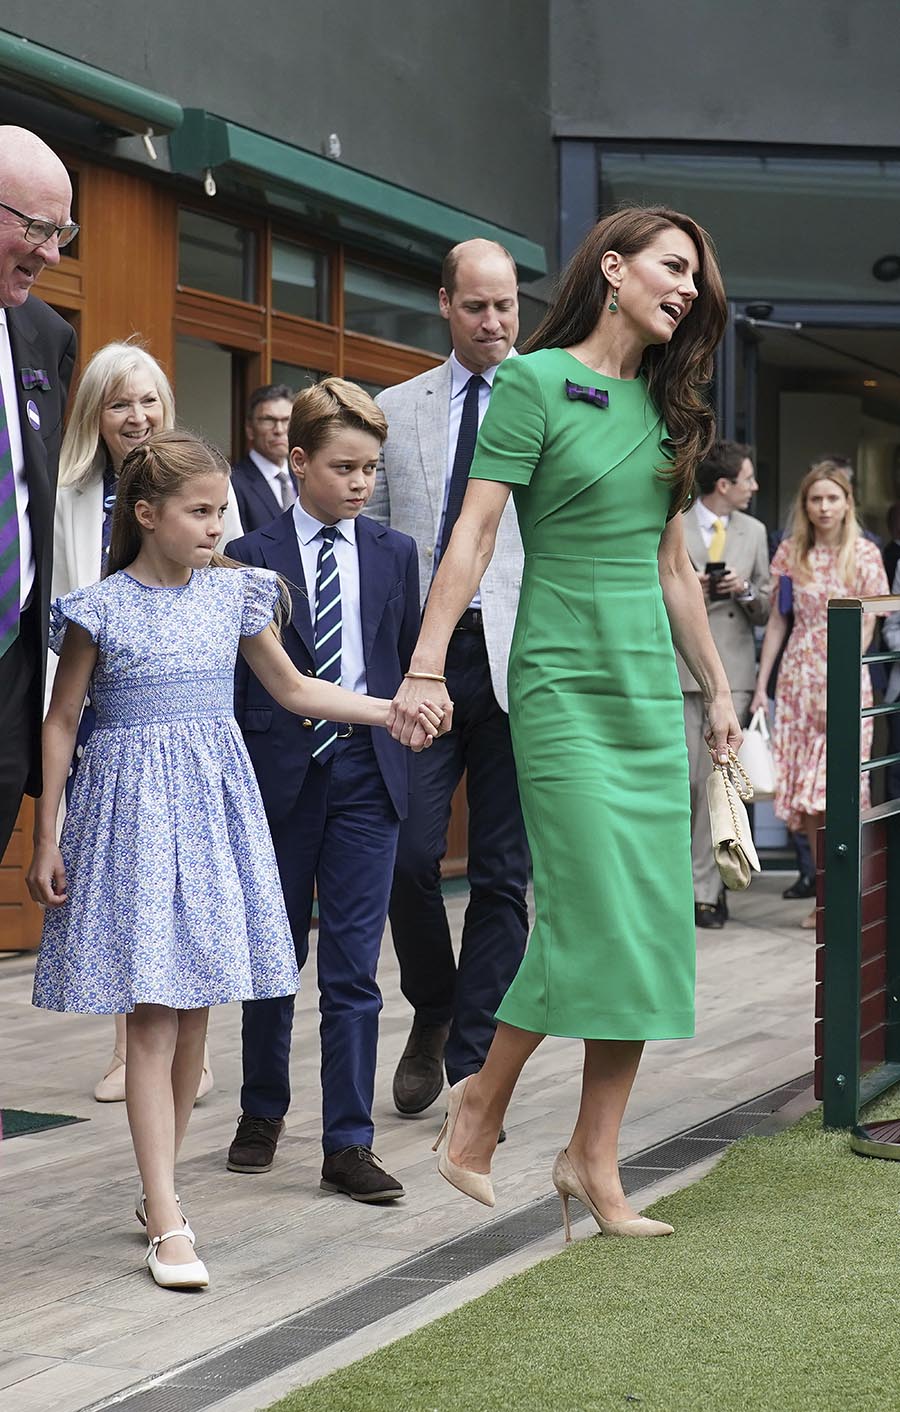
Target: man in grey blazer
x=717 y=531
x=432 y=425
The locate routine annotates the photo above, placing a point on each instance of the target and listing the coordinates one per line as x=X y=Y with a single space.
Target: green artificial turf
x=14 y=1122
x=779 y=1290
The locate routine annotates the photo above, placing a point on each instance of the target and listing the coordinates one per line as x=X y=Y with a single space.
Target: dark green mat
x=15 y=1121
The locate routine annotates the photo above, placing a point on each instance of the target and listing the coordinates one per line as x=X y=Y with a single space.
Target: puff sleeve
x=512 y=434
x=83 y=607
x=261 y=594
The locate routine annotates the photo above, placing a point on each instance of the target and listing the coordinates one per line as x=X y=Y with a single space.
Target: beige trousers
x=707 y=883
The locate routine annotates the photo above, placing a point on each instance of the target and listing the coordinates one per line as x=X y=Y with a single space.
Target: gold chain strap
x=739 y=778
x=735 y=777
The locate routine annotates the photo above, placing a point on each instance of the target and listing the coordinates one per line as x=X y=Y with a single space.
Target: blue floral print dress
x=173 y=892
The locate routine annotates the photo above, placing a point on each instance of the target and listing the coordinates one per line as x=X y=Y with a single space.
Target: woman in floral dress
x=825 y=556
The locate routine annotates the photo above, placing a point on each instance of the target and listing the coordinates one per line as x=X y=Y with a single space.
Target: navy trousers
x=496 y=924
x=341 y=837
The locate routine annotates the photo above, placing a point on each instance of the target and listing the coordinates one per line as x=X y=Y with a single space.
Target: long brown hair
x=153 y=471
x=802 y=535
x=677 y=372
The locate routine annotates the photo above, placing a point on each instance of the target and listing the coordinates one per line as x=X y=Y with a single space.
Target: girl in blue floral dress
x=163 y=895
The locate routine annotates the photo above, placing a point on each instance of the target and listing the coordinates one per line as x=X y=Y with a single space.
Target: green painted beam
x=359 y=204
x=101 y=95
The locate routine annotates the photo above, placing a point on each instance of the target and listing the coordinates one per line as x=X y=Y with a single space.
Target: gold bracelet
x=426 y=676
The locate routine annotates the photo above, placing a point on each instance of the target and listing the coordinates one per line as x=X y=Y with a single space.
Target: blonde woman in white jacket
x=123 y=397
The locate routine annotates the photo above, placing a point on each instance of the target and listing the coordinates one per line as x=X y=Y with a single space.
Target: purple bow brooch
x=597 y=396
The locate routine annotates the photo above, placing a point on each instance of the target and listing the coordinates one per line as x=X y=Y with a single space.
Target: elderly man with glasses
x=37 y=354
x=262 y=481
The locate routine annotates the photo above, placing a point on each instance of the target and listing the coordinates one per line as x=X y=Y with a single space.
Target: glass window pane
x=294 y=376
x=394 y=308
x=203 y=388
x=299 y=281
x=216 y=257
x=785 y=227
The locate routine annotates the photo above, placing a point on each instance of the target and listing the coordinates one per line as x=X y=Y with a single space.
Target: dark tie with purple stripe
x=10 y=572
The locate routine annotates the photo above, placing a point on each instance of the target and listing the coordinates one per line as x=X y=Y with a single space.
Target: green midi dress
x=595 y=707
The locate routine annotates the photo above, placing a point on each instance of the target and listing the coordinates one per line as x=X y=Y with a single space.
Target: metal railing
x=845 y=1085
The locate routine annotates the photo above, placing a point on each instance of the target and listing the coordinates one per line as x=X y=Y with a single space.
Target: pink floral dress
x=799 y=742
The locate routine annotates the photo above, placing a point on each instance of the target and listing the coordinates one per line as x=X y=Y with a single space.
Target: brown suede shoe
x=419 y=1079
x=357 y=1172
x=253 y=1148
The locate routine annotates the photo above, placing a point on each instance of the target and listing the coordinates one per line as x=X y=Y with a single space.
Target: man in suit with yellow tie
x=729 y=552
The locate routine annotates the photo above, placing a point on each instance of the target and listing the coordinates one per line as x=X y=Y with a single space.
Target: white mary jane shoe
x=140 y=1210
x=193 y=1275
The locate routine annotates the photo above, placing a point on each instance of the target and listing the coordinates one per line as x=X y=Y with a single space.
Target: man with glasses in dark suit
x=263 y=484
x=37 y=354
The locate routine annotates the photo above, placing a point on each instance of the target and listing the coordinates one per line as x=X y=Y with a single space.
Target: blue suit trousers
x=341 y=838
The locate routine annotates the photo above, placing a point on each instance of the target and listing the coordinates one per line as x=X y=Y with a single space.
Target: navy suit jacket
x=257 y=502
x=279 y=742
x=43 y=355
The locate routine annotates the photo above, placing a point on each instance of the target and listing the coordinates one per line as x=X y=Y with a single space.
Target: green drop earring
x=613 y=305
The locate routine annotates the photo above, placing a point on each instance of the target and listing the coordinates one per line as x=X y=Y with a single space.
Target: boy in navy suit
x=334 y=794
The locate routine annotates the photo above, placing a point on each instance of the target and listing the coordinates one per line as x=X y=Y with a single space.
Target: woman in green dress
x=596 y=430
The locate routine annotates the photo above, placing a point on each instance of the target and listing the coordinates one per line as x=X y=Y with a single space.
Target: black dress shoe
x=357 y=1172
x=419 y=1079
x=253 y=1148
x=708 y=914
x=803 y=887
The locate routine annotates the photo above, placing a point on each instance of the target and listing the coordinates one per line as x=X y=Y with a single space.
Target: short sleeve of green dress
x=595 y=707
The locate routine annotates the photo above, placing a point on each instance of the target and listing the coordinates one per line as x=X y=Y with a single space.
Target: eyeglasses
x=38 y=232
x=272 y=422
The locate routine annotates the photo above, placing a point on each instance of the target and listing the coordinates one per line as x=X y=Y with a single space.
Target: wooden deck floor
x=76 y=1327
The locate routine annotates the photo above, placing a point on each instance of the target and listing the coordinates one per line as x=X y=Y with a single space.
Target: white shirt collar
x=459 y=376
x=270 y=468
x=706 y=516
x=307 y=526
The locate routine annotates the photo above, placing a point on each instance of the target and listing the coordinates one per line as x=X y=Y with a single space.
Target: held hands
x=46 y=877
x=724 y=733
x=420 y=704
x=427 y=726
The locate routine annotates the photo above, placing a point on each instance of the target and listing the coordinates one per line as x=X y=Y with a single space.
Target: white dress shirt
x=353 y=662
x=459 y=381
x=272 y=473
x=706 y=520
x=8 y=381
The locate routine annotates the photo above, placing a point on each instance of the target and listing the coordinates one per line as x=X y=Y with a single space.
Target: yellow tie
x=717 y=543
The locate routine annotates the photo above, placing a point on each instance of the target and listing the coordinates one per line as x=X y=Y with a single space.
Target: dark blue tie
x=462 y=458
x=327 y=633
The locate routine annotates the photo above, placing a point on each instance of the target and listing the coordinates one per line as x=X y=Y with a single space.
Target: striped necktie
x=327 y=634
x=10 y=570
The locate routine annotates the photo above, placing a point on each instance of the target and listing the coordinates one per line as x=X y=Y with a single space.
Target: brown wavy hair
x=153 y=471
x=677 y=372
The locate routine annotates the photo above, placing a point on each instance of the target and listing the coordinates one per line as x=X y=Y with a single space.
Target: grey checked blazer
x=732 y=623
x=409 y=496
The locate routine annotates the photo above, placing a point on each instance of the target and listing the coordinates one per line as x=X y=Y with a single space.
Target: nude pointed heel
x=568 y=1183
x=564 y=1198
x=478 y=1185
